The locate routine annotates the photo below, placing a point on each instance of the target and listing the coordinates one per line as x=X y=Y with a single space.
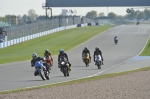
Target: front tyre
x=41 y=75
x=65 y=71
x=99 y=64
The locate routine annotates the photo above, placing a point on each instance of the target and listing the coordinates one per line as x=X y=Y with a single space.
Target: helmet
x=85 y=48
x=96 y=48
x=34 y=56
x=46 y=51
x=61 y=51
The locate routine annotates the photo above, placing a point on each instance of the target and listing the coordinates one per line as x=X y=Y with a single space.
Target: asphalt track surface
x=132 y=39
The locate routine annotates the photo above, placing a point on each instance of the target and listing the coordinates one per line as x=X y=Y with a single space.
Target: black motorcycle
x=138 y=23
x=116 y=41
x=64 y=66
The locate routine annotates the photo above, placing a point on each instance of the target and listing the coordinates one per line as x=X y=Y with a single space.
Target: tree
x=120 y=16
x=112 y=15
x=147 y=13
x=91 y=14
x=142 y=15
x=133 y=14
x=32 y=15
x=24 y=17
x=0 y=18
x=101 y=14
x=13 y=19
x=4 y=19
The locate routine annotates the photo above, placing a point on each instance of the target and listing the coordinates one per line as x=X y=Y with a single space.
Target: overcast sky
x=20 y=7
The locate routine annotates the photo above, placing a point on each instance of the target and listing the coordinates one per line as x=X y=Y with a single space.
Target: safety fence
x=32 y=36
x=43 y=27
x=38 y=26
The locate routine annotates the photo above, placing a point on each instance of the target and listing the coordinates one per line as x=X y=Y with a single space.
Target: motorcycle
x=98 y=61
x=116 y=40
x=64 y=66
x=48 y=60
x=42 y=72
x=138 y=23
x=86 y=59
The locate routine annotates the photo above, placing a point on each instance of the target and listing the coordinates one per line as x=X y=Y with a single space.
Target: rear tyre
x=47 y=76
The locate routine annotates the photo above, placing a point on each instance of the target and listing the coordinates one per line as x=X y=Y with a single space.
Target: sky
x=21 y=7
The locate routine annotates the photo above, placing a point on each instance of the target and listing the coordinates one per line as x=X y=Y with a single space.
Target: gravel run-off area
x=129 y=86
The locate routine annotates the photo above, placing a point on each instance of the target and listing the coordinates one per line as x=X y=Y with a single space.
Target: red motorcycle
x=49 y=61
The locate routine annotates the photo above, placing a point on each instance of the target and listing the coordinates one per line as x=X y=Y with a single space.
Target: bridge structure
x=94 y=3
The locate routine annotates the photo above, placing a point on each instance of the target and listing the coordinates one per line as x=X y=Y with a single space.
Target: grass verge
x=146 y=51
x=76 y=81
x=66 y=39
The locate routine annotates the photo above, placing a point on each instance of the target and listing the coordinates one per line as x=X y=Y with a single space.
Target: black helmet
x=34 y=56
x=46 y=51
x=61 y=51
x=85 y=48
x=96 y=48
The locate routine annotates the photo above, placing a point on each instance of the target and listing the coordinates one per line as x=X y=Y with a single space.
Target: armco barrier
x=81 y=25
x=22 y=39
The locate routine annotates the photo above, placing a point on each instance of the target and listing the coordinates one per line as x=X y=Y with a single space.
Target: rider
x=35 y=62
x=115 y=38
x=85 y=51
x=49 y=55
x=98 y=52
x=63 y=55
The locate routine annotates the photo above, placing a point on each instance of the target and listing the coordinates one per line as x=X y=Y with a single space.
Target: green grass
x=76 y=81
x=66 y=39
x=146 y=51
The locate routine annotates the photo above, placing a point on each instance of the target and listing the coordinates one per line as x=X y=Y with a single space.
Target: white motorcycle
x=98 y=61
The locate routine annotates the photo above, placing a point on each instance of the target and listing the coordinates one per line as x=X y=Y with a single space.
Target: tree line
x=134 y=14
x=14 y=19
